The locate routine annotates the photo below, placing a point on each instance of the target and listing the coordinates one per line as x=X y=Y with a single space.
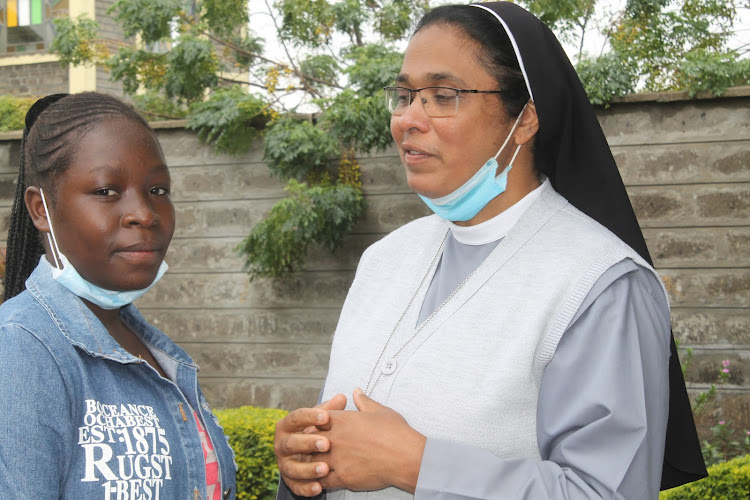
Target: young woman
x=516 y=345
x=96 y=402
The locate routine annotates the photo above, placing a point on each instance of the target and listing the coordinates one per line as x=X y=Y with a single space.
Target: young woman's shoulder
x=25 y=321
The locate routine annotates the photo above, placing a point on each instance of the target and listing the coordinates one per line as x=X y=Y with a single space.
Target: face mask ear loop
x=52 y=240
x=515 y=154
x=510 y=134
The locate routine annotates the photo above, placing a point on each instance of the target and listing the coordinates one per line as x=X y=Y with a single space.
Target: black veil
x=571 y=150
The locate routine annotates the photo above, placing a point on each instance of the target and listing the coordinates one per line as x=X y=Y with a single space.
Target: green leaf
x=192 y=69
x=323 y=68
x=397 y=17
x=296 y=149
x=311 y=214
x=374 y=66
x=13 y=112
x=156 y=106
x=358 y=122
x=705 y=70
x=135 y=68
x=75 y=41
x=224 y=17
x=606 y=77
x=150 y=19
x=231 y=119
x=306 y=22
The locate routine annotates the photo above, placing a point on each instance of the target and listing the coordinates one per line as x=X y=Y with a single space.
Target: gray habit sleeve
x=602 y=410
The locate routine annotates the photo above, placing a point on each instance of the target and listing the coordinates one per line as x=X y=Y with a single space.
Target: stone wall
x=33 y=79
x=111 y=32
x=686 y=164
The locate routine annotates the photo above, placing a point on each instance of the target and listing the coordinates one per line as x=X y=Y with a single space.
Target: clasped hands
x=328 y=447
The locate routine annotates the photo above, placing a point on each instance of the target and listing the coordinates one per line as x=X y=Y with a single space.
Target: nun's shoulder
x=580 y=233
x=415 y=234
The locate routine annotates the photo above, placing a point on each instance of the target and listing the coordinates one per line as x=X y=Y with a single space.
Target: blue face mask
x=64 y=273
x=466 y=201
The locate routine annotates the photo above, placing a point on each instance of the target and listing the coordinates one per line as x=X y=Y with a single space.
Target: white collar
x=498 y=226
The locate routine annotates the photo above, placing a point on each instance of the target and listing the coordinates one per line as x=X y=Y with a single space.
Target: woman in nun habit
x=516 y=344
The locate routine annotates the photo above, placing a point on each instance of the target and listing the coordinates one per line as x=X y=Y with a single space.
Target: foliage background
x=250 y=433
x=207 y=61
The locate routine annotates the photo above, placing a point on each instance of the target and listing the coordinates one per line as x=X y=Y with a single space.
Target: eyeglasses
x=436 y=101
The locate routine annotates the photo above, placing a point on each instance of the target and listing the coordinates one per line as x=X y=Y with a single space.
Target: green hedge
x=727 y=481
x=250 y=432
x=13 y=111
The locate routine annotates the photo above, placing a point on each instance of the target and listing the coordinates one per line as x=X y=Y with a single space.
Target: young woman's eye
x=105 y=192
x=161 y=191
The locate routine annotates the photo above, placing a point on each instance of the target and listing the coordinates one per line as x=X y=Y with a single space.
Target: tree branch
x=242 y=82
x=296 y=71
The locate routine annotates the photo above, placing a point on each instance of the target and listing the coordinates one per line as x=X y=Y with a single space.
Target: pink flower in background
x=725 y=363
x=721 y=422
x=725 y=370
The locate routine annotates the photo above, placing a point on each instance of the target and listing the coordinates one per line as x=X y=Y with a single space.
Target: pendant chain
x=370 y=383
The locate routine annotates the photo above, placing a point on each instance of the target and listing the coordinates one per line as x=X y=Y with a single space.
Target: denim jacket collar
x=66 y=309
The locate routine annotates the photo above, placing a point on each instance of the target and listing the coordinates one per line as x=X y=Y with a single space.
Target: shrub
x=727 y=481
x=13 y=111
x=250 y=431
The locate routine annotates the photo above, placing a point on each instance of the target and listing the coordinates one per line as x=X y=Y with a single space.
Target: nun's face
x=440 y=154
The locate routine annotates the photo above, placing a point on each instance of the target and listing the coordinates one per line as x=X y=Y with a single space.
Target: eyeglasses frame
x=412 y=92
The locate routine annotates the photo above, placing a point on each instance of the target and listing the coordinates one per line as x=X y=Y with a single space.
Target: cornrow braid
x=49 y=144
x=24 y=246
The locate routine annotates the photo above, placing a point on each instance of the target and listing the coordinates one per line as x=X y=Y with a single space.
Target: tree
x=215 y=73
x=202 y=60
x=652 y=45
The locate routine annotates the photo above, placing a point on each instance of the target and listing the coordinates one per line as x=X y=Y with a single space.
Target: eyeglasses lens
x=436 y=101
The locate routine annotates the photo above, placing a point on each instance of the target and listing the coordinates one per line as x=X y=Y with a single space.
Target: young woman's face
x=440 y=154
x=113 y=216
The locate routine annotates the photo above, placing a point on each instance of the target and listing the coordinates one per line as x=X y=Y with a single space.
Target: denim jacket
x=81 y=418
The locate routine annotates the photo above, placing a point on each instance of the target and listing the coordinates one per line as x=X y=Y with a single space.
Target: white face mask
x=64 y=273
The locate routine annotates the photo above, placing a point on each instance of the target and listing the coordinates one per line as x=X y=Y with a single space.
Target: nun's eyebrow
x=434 y=77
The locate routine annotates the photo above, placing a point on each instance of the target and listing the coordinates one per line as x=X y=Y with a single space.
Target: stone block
x=233 y=181
x=4 y=222
x=691 y=205
x=200 y=255
x=385 y=213
x=9 y=156
x=724 y=326
x=293 y=326
x=234 y=290
x=383 y=174
x=684 y=163
x=219 y=218
x=731 y=405
x=697 y=247
x=266 y=393
x=183 y=148
x=676 y=122
x=344 y=258
x=707 y=287
x=239 y=360
x=8 y=183
x=703 y=365
x=219 y=254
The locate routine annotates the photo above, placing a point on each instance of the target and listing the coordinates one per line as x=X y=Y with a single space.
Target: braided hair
x=54 y=126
